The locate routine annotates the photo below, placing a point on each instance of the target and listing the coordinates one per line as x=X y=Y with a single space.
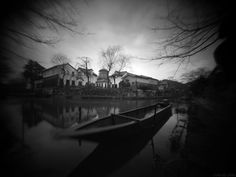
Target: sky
x=105 y=23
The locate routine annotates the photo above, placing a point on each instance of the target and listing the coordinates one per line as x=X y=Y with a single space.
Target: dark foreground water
x=32 y=148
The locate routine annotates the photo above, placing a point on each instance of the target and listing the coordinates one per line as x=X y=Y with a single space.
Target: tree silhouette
x=195 y=74
x=113 y=59
x=192 y=27
x=84 y=63
x=26 y=22
x=31 y=18
x=32 y=71
x=61 y=60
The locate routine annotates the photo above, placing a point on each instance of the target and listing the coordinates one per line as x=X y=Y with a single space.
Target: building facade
x=102 y=80
x=116 y=78
x=61 y=75
x=133 y=79
x=92 y=76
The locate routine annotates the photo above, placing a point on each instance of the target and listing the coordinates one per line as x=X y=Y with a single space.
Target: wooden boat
x=122 y=125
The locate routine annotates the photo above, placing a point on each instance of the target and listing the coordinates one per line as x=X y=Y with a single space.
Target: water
x=37 y=152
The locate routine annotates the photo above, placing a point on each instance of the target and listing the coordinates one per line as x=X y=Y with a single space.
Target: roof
x=103 y=70
x=119 y=73
x=83 y=69
x=139 y=76
x=102 y=80
x=59 y=66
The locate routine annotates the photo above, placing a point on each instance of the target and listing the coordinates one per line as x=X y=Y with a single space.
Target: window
x=61 y=83
x=67 y=82
x=73 y=73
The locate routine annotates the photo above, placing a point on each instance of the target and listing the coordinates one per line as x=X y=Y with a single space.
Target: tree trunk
x=108 y=80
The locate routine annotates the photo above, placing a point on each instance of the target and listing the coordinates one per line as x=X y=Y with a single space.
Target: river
x=34 y=123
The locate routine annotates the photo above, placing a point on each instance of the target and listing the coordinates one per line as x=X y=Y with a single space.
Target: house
x=61 y=75
x=102 y=80
x=163 y=85
x=91 y=74
x=134 y=80
x=116 y=78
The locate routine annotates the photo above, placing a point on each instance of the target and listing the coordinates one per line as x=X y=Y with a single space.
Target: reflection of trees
x=61 y=113
x=30 y=115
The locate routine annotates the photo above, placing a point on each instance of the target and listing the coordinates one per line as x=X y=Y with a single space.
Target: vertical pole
x=153 y=150
x=23 y=128
x=80 y=142
x=80 y=114
x=155 y=111
x=113 y=119
x=136 y=87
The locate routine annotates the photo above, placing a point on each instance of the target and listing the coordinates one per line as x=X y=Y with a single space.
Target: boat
x=114 y=155
x=122 y=125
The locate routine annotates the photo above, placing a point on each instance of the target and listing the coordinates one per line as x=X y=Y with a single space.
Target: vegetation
x=84 y=63
x=113 y=59
x=32 y=72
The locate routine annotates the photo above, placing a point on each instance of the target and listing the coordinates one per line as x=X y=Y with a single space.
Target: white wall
x=133 y=79
x=70 y=74
x=117 y=80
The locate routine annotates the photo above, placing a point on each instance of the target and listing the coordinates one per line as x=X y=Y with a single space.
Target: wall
x=70 y=75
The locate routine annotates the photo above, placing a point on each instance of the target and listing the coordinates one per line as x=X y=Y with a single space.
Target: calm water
x=37 y=152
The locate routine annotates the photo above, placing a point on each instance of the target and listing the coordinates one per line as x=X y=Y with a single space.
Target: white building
x=92 y=76
x=102 y=80
x=133 y=79
x=116 y=78
x=61 y=75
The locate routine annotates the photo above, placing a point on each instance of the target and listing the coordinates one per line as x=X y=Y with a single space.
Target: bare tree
x=36 y=22
x=84 y=63
x=195 y=74
x=113 y=59
x=60 y=59
x=191 y=29
x=123 y=62
x=36 y=17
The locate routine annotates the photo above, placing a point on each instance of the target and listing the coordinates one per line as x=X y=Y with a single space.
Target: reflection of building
x=61 y=75
x=59 y=115
x=102 y=80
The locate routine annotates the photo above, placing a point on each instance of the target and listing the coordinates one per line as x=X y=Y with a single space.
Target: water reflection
x=178 y=131
x=43 y=155
x=108 y=157
x=64 y=113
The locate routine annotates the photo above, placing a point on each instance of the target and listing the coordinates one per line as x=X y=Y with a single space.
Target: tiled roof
x=59 y=66
x=139 y=76
x=103 y=70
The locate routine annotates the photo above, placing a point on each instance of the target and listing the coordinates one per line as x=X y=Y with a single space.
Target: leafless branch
x=187 y=35
x=113 y=59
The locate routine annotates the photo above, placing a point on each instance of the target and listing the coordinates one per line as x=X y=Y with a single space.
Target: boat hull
x=122 y=131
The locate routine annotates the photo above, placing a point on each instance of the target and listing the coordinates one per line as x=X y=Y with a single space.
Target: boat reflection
x=110 y=156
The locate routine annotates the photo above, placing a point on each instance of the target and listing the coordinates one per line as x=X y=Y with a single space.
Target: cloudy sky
x=126 y=23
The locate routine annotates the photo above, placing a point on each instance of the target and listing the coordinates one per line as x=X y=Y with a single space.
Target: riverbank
x=85 y=97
